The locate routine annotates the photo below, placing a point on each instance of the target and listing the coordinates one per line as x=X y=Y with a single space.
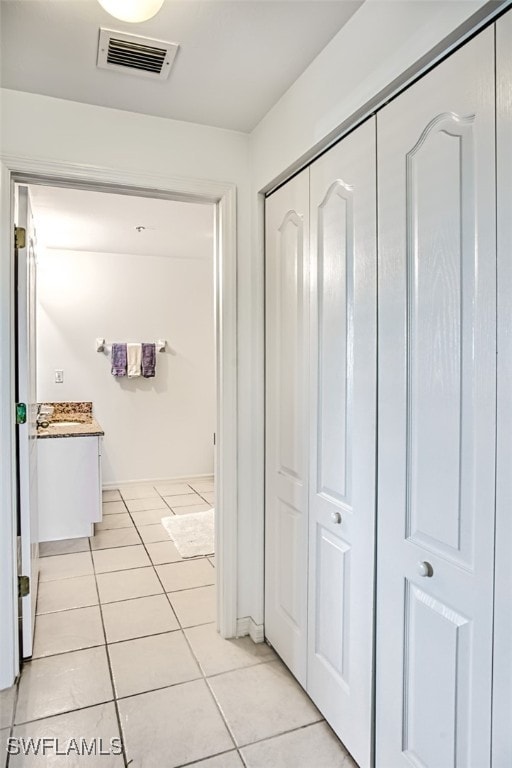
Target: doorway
x=130 y=268
x=223 y=198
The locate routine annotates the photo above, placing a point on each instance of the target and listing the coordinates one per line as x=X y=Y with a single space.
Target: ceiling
x=236 y=57
x=83 y=220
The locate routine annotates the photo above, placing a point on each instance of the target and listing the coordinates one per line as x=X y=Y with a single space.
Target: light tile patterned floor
x=126 y=647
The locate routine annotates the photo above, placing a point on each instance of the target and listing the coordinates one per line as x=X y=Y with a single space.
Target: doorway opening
x=220 y=202
x=112 y=267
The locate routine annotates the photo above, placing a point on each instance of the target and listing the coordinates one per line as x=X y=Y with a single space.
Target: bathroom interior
x=120 y=451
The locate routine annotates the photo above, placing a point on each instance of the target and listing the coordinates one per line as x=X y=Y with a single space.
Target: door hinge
x=214 y=438
x=21 y=413
x=23 y=586
x=20 y=237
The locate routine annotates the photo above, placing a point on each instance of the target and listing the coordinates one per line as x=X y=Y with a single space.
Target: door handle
x=336 y=518
x=425 y=569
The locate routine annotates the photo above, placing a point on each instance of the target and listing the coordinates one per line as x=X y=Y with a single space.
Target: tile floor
x=126 y=647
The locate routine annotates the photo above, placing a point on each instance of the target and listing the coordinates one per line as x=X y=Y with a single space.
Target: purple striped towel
x=119 y=360
x=148 y=360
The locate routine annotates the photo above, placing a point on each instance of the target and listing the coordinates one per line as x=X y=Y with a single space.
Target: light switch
x=59 y=376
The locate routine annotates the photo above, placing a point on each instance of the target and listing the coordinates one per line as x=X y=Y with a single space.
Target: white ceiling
x=81 y=220
x=236 y=57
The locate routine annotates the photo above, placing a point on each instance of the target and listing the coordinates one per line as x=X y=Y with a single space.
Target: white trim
x=482 y=18
x=223 y=194
x=9 y=655
x=247 y=626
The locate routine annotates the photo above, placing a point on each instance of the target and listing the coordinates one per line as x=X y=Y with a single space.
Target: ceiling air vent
x=137 y=55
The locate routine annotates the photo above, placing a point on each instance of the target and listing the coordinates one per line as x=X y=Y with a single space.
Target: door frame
x=100 y=178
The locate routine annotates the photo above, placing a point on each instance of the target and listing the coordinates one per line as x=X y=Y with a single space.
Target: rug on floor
x=192 y=534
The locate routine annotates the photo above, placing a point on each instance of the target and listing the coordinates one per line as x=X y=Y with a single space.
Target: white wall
x=379 y=42
x=154 y=428
x=45 y=128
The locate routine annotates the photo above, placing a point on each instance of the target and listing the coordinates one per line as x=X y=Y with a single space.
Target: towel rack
x=101 y=345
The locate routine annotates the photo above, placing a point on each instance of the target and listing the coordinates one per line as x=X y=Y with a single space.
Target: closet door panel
x=502 y=688
x=437 y=379
x=343 y=435
x=287 y=318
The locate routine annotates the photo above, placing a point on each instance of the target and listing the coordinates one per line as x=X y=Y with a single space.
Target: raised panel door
x=437 y=380
x=502 y=684
x=343 y=438
x=286 y=493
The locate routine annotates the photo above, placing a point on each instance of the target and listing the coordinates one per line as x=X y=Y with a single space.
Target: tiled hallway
x=126 y=646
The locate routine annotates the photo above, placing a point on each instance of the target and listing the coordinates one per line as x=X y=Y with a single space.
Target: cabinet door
x=437 y=380
x=343 y=435
x=286 y=521
x=502 y=699
x=68 y=486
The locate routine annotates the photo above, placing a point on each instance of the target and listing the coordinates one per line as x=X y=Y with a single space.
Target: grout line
x=68 y=651
x=118 y=716
x=223 y=716
x=108 y=642
x=259 y=663
x=64 y=610
x=13 y=715
x=209 y=689
x=121 y=546
x=144 y=637
x=298 y=728
x=67 y=554
x=201 y=624
x=162 y=688
x=205 y=759
x=195 y=657
x=188 y=589
x=157 y=575
x=199 y=493
x=66 y=712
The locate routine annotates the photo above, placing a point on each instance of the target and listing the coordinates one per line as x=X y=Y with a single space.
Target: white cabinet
x=69 y=486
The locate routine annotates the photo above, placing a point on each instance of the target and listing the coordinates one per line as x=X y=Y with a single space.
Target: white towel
x=134 y=359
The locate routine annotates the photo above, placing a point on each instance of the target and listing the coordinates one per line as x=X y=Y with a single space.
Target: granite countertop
x=80 y=414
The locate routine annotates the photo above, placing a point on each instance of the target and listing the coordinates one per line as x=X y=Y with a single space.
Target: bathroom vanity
x=69 y=473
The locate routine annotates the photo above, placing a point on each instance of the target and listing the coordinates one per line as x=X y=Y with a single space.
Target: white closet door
x=287 y=316
x=502 y=695
x=342 y=457
x=437 y=379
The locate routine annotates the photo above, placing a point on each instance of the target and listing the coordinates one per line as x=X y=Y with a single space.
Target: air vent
x=137 y=55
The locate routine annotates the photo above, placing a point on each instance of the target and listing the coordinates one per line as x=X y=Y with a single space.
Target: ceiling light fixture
x=132 y=10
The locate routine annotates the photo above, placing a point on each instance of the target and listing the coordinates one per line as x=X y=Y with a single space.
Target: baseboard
x=154 y=481
x=247 y=626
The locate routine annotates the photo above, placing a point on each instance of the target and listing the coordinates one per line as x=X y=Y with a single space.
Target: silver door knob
x=336 y=517
x=425 y=569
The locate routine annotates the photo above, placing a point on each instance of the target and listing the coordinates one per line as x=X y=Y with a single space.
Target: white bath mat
x=193 y=534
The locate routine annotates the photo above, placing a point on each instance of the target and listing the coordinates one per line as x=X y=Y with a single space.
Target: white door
x=26 y=393
x=502 y=688
x=286 y=516
x=343 y=435
x=437 y=379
